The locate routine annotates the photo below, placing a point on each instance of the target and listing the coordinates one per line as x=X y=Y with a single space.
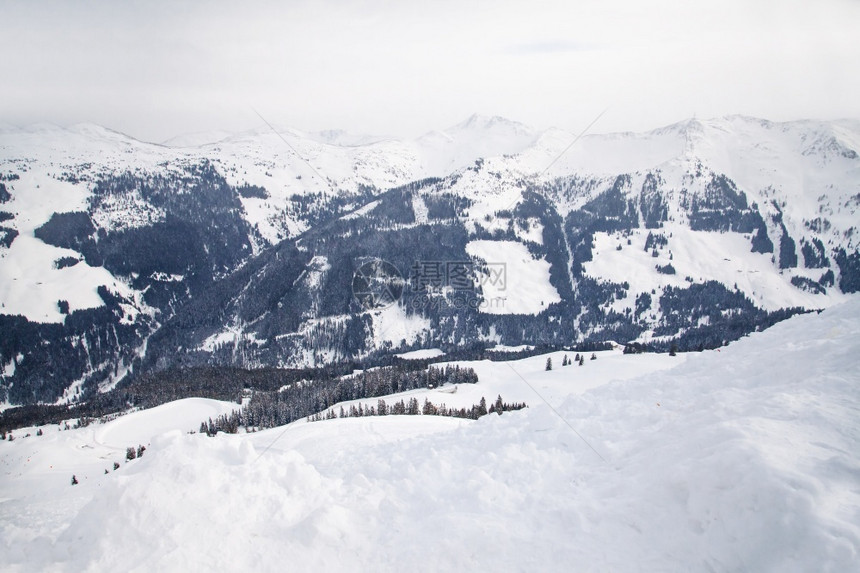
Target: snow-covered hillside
x=742 y=458
x=694 y=233
x=805 y=173
x=285 y=162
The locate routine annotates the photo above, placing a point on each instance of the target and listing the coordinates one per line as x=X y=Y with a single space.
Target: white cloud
x=157 y=68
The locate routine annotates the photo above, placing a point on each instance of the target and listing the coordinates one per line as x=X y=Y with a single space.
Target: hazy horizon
x=158 y=70
x=375 y=136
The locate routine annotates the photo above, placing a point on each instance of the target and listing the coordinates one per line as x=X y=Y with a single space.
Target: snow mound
x=141 y=427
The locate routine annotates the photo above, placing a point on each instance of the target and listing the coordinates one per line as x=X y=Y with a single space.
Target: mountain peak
x=478 y=122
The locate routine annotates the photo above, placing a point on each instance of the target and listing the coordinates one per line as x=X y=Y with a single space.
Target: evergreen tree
x=413 y=409
x=130 y=453
x=549 y=363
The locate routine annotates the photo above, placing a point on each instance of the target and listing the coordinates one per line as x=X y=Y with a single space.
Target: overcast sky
x=157 y=69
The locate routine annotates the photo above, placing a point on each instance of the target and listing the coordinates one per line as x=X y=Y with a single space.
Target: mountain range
x=120 y=258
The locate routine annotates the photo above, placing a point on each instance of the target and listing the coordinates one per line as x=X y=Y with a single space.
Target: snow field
x=30 y=284
x=141 y=427
x=703 y=256
x=421 y=354
x=392 y=325
x=739 y=459
x=524 y=287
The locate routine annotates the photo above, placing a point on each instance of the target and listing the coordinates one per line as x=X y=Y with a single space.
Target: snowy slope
x=57 y=168
x=805 y=172
x=701 y=256
x=515 y=282
x=738 y=459
x=30 y=282
x=444 y=152
x=808 y=168
x=285 y=162
x=34 y=470
x=800 y=179
x=803 y=177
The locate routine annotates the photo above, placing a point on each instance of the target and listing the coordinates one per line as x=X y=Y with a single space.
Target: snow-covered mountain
x=741 y=458
x=119 y=256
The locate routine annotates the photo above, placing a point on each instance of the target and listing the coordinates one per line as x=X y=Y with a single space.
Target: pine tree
x=582 y=360
x=549 y=363
x=413 y=409
x=130 y=453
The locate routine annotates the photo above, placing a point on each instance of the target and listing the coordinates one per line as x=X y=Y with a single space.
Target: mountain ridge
x=755 y=217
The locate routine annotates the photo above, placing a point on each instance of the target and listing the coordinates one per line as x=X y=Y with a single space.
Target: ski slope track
x=738 y=459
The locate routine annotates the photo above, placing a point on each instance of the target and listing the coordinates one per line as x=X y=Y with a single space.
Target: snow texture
x=421 y=354
x=738 y=459
x=515 y=282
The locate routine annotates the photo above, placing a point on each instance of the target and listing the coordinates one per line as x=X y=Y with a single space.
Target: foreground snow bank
x=744 y=459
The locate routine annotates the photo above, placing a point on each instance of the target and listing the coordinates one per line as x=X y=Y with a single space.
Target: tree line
x=305 y=398
x=411 y=408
